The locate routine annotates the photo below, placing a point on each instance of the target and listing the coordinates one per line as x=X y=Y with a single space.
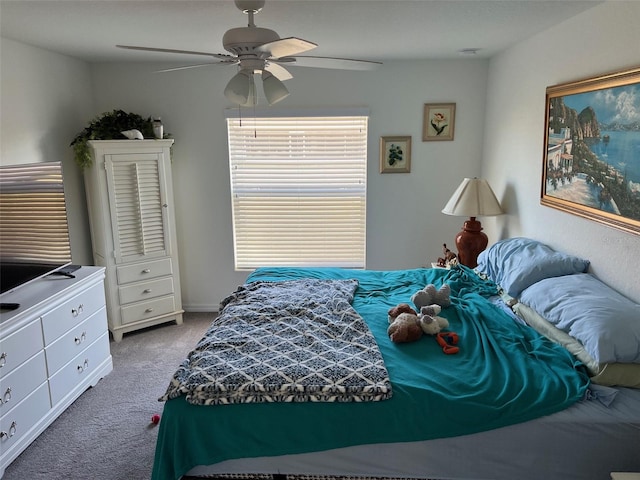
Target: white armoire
x=133 y=235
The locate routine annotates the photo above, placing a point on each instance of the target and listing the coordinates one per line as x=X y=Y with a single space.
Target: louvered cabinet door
x=135 y=183
x=130 y=200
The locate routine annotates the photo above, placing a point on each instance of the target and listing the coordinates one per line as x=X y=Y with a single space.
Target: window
x=33 y=214
x=298 y=187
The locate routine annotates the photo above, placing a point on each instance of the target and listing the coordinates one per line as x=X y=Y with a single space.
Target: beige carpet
x=107 y=433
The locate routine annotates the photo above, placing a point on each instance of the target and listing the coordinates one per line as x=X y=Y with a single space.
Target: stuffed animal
x=429 y=295
x=431 y=310
x=432 y=325
x=405 y=328
x=398 y=309
x=448 y=342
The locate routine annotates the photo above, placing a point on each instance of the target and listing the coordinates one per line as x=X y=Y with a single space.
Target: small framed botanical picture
x=439 y=121
x=395 y=154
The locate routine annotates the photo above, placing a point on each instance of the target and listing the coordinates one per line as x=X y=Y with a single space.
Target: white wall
x=45 y=98
x=405 y=228
x=601 y=40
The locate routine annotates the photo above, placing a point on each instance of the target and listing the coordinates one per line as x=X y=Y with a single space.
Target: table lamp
x=473 y=198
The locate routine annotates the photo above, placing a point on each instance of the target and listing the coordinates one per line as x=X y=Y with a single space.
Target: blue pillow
x=516 y=263
x=604 y=321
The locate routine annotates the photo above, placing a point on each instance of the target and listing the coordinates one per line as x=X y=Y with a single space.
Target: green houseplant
x=108 y=126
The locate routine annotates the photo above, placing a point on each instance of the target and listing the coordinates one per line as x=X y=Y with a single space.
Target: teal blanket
x=505 y=373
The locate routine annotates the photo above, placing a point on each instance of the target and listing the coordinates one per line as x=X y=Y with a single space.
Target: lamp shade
x=473 y=198
x=274 y=89
x=238 y=90
x=252 y=98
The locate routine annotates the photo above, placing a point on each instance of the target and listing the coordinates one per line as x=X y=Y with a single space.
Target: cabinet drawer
x=80 y=368
x=144 y=271
x=140 y=291
x=19 y=346
x=15 y=424
x=150 y=309
x=72 y=313
x=15 y=386
x=75 y=340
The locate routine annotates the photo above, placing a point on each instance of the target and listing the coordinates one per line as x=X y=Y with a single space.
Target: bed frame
x=583 y=440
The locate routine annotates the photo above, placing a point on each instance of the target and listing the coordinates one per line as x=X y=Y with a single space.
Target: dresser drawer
x=143 y=310
x=15 y=424
x=72 y=313
x=75 y=340
x=140 y=291
x=19 y=346
x=15 y=386
x=73 y=373
x=144 y=271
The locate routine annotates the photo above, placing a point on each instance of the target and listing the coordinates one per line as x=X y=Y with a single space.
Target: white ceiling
x=364 y=29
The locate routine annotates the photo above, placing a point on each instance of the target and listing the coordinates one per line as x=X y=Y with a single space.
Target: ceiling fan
x=257 y=50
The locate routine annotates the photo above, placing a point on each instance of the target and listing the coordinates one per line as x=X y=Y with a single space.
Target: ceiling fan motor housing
x=243 y=40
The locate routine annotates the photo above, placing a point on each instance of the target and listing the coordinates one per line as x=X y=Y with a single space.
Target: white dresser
x=52 y=348
x=131 y=213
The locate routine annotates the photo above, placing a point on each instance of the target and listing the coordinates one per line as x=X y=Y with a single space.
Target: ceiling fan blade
x=336 y=63
x=278 y=71
x=170 y=50
x=186 y=67
x=286 y=47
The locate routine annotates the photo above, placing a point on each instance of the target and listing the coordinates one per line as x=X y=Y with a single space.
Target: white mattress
x=584 y=442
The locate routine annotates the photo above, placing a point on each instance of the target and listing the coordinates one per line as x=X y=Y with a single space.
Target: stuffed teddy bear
x=403 y=324
x=430 y=322
x=398 y=309
x=429 y=295
x=405 y=328
x=431 y=310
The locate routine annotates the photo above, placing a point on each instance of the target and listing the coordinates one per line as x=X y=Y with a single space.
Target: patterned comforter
x=289 y=341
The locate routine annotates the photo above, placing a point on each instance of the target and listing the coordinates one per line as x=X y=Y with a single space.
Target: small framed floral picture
x=395 y=154
x=439 y=121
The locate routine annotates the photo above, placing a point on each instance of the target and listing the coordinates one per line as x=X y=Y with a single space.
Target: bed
x=511 y=404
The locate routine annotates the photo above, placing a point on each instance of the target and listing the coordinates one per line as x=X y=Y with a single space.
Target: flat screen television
x=34 y=232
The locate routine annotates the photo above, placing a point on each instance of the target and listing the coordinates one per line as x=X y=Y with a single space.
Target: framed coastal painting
x=591 y=159
x=438 y=121
x=395 y=154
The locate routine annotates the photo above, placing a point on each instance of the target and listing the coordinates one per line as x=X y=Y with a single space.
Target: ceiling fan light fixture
x=252 y=98
x=238 y=90
x=274 y=89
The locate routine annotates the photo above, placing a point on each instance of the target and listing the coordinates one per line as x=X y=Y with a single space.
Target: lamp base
x=470 y=242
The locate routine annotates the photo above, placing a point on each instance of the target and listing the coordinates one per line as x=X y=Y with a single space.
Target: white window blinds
x=33 y=214
x=298 y=187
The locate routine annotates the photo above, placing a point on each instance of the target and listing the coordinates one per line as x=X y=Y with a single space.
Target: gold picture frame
x=591 y=166
x=438 y=122
x=395 y=154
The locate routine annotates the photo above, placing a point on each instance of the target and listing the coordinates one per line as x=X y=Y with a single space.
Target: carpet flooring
x=107 y=433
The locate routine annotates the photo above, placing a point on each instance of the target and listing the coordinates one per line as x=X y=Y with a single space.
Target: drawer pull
x=81 y=338
x=77 y=311
x=148 y=310
x=84 y=366
x=146 y=270
x=3 y=359
x=6 y=397
x=12 y=431
x=146 y=290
